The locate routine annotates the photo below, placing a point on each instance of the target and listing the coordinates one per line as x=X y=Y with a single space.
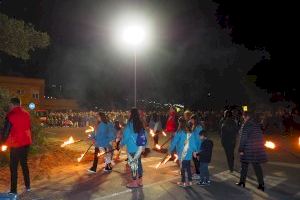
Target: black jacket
x=206 y=151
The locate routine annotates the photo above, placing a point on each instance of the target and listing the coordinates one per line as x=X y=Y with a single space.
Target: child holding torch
x=102 y=139
x=185 y=146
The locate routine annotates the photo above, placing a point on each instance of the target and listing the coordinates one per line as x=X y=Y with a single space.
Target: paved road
x=282 y=179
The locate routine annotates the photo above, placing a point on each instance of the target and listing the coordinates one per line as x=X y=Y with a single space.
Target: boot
x=133 y=184
x=261 y=187
x=241 y=184
x=140 y=181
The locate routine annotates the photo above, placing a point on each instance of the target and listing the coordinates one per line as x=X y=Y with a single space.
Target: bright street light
x=134 y=35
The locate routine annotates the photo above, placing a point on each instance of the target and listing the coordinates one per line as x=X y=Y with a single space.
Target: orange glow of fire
x=157 y=146
x=157 y=166
x=69 y=141
x=164 y=134
x=270 y=145
x=167 y=159
x=3 y=148
x=152 y=133
x=80 y=158
x=176 y=157
x=299 y=141
x=90 y=129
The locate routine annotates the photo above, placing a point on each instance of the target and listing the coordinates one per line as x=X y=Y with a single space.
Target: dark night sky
x=190 y=56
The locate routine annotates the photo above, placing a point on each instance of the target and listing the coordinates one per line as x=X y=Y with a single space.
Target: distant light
x=31 y=106
x=245 y=108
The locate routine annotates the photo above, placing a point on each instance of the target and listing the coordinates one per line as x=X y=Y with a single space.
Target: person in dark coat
x=229 y=132
x=251 y=150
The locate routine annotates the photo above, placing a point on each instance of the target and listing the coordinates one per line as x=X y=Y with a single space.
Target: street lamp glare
x=134 y=35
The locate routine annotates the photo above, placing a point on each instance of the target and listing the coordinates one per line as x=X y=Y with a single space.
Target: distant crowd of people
x=280 y=121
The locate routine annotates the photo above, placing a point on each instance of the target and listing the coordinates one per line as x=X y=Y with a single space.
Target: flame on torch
x=157 y=166
x=80 y=158
x=167 y=159
x=152 y=133
x=176 y=157
x=3 y=148
x=90 y=129
x=69 y=141
x=164 y=134
x=157 y=146
x=270 y=145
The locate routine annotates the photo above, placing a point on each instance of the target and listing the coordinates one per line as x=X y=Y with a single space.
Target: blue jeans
x=204 y=173
x=186 y=167
x=140 y=168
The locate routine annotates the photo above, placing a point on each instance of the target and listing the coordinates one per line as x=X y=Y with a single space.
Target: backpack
x=141 y=139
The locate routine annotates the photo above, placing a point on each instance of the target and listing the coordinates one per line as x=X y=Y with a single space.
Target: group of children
x=191 y=143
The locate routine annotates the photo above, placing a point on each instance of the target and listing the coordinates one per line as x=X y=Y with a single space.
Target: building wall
x=27 y=89
x=33 y=90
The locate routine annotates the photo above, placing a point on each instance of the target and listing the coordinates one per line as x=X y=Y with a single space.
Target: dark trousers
x=204 y=173
x=258 y=171
x=196 y=163
x=186 y=167
x=229 y=151
x=95 y=163
x=19 y=155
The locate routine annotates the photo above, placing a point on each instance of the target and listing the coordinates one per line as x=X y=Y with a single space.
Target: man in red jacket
x=17 y=136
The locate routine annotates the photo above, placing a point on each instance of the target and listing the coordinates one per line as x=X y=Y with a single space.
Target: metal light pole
x=135 y=78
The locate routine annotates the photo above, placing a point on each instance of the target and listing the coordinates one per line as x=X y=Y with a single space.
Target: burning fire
x=157 y=146
x=80 y=158
x=270 y=145
x=157 y=166
x=299 y=141
x=167 y=159
x=164 y=134
x=69 y=141
x=3 y=148
x=176 y=157
x=90 y=129
x=152 y=133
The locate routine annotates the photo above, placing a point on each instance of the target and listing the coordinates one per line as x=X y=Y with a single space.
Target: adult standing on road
x=17 y=136
x=251 y=150
x=229 y=132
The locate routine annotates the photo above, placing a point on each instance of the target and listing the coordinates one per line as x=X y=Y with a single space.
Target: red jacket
x=171 y=123
x=20 y=131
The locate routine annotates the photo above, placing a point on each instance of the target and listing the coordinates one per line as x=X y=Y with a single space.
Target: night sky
x=191 y=54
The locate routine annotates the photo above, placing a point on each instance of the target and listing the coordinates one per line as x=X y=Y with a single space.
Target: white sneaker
x=196 y=177
x=91 y=171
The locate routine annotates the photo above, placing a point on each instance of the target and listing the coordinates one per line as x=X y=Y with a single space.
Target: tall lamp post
x=134 y=36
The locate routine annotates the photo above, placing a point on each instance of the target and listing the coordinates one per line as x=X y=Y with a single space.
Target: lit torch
x=80 y=158
x=69 y=141
x=270 y=145
x=164 y=134
x=3 y=148
x=90 y=129
x=157 y=146
x=176 y=157
x=167 y=159
x=152 y=133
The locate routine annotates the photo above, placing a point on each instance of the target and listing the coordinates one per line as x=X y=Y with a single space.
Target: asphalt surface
x=72 y=182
